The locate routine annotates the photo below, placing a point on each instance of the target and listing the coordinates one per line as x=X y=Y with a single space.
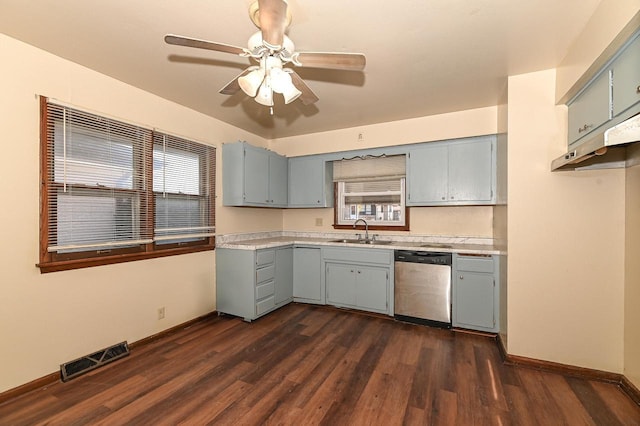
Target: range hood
x=609 y=149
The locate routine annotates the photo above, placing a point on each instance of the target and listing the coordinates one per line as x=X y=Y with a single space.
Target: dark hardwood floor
x=305 y=365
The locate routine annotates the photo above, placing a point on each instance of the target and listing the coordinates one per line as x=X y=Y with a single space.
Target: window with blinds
x=115 y=189
x=182 y=190
x=371 y=189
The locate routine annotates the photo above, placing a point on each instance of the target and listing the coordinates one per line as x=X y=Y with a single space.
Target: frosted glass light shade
x=291 y=94
x=281 y=83
x=251 y=82
x=265 y=94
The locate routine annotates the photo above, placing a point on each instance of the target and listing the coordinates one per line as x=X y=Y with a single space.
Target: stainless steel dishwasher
x=423 y=287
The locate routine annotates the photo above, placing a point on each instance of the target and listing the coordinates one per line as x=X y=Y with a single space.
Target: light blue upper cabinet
x=278 y=179
x=427 y=174
x=471 y=171
x=256 y=175
x=452 y=173
x=253 y=176
x=610 y=98
x=591 y=108
x=310 y=182
x=626 y=78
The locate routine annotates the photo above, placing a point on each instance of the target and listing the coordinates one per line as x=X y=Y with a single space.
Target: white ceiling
x=424 y=57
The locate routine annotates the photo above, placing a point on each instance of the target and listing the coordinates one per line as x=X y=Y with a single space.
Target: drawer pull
x=585 y=128
x=638 y=89
x=461 y=277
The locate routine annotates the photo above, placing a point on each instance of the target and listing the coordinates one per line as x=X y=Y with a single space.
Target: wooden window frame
x=53 y=262
x=336 y=203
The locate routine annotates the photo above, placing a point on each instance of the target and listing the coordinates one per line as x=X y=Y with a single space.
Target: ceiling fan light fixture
x=291 y=94
x=281 y=83
x=251 y=82
x=265 y=94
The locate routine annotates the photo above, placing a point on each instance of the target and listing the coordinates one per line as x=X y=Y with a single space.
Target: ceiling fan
x=272 y=49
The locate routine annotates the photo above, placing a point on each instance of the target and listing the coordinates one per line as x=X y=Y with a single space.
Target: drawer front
x=590 y=109
x=365 y=255
x=474 y=264
x=265 y=305
x=265 y=257
x=265 y=274
x=266 y=289
x=626 y=78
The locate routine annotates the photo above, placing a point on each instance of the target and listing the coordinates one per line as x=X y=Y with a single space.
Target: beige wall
x=632 y=276
x=439 y=221
x=566 y=240
x=49 y=319
x=475 y=221
x=459 y=124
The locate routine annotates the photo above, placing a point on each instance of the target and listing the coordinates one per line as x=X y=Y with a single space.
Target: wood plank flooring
x=307 y=365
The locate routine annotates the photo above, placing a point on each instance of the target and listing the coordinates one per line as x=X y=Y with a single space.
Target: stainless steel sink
x=352 y=241
x=355 y=241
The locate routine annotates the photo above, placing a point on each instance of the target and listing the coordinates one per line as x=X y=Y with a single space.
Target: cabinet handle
x=443 y=198
x=359 y=271
x=461 y=277
x=352 y=271
x=638 y=89
x=585 y=128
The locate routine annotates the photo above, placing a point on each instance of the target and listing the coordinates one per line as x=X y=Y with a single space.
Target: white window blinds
x=117 y=187
x=182 y=189
x=369 y=169
x=96 y=188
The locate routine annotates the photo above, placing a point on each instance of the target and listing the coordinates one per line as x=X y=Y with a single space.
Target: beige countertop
x=281 y=241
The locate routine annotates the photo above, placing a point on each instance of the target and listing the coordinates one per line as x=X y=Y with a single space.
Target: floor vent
x=79 y=366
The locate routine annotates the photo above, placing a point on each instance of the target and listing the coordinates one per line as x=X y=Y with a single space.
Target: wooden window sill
x=65 y=265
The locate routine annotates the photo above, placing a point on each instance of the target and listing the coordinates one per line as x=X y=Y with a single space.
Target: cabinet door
x=471 y=171
x=307 y=274
x=626 y=78
x=590 y=109
x=284 y=276
x=341 y=284
x=427 y=174
x=474 y=302
x=372 y=288
x=278 y=172
x=310 y=184
x=256 y=175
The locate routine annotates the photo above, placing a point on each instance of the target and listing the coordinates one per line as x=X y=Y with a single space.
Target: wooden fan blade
x=203 y=44
x=307 y=97
x=273 y=22
x=233 y=87
x=338 y=61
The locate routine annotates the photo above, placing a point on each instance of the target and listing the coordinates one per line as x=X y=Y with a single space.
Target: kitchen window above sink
x=371 y=189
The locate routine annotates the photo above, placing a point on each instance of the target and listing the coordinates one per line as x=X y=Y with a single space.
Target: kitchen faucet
x=366 y=228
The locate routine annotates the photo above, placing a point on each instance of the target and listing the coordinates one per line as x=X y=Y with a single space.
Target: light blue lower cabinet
x=252 y=283
x=359 y=278
x=358 y=286
x=307 y=275
x=476 y=292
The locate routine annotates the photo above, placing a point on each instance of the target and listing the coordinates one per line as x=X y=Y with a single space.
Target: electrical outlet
x=318 y=221
x=161 y=313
